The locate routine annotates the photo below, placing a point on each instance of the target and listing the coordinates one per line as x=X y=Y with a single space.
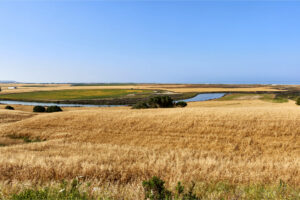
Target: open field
x=123 y=94
x=238 y=141
x=265 y=97
x=74 y=94
x=169 y=87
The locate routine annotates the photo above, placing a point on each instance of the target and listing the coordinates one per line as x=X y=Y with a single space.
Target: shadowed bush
x=158 y=102
x=181 y=104
x=9 y=107
x=298 y=101
x=155 y=190
x=161 y=102
x=53 y=109
x=140 y=105
x=39 y=109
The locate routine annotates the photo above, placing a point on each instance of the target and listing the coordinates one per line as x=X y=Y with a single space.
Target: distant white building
x=12 y=88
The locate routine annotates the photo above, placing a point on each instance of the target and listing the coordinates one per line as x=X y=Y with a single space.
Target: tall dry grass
x=235 y=141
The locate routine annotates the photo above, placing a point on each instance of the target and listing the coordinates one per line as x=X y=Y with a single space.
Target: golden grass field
x=237 y=141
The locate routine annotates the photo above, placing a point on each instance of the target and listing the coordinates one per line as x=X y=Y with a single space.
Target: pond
x=199 y=97
x=205 y=97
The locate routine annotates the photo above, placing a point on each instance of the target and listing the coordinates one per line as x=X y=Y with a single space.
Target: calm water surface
x=205 y=97
x=52 y=104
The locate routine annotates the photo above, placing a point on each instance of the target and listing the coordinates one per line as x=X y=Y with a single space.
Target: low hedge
x=9 y=107
x=159 y=102
x=39 y=109
x=181 y=104
x=298 y=101
x=53 y=109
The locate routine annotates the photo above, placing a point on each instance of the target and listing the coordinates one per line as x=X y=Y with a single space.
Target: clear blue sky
x=143 y=41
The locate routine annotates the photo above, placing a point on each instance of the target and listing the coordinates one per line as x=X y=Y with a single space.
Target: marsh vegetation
x=73 y=94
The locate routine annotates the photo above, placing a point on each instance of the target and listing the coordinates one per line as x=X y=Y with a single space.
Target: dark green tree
x=39 y=109
x=53 y=109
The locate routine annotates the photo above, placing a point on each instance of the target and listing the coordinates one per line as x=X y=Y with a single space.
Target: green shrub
x=161 y=102
x=298 y=101
x=53 y=109
x=181 y=104
x=140 y=105
x=156 y=102
x=39 y=109
x=155 y=189
x=26 y=139
x=9 y=107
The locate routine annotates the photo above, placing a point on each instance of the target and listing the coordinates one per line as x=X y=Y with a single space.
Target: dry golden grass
x=239 y=141
x=8 y=116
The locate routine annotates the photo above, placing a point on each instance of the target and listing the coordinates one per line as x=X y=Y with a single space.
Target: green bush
x=39 y=109
x=155 y=190
x=181 y=104
x=161 y=102
x=140 y=105
x=298 y=101
x=9 y=107
x=53 y=109
x=156 y=102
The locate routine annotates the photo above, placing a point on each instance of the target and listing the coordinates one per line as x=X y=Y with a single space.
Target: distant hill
x=8 y=81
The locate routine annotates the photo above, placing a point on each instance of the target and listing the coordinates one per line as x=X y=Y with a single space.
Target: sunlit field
x=169 y=87
x=74 y=94
x=239 y=142
x=149 y=100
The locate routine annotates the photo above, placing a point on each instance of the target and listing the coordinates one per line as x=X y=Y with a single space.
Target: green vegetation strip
x=265 y=97
x=154 y=189
x=26 y=139
x=75 y=94
x=103 y=84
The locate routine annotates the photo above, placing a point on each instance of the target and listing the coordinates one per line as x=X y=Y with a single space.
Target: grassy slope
x=242 y=142
x=221 y=190
x=264 y=97
x=181 y=88
x=73 y=94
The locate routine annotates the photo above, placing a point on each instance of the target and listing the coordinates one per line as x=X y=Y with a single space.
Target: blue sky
x=143 y=41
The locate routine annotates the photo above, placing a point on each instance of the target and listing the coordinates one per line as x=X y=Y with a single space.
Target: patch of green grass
x=248 y=96
x=232 y=96
x=26 y=139
x=223 y=190
x=64 y=192
x=280 y=100
x=102 y=84
x=155 y=189
x=186 y=95
x=36 y=86
x=75 y=94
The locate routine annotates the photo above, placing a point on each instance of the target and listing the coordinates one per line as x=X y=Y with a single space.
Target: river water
x=205 y=97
